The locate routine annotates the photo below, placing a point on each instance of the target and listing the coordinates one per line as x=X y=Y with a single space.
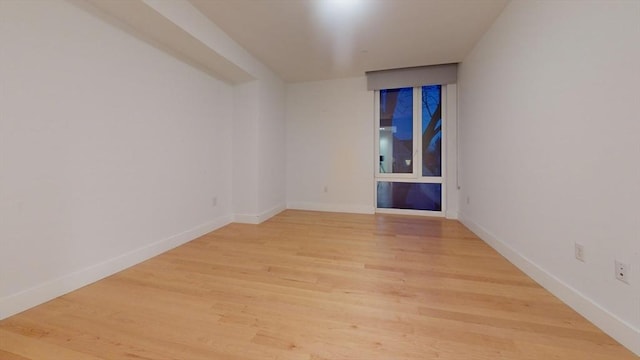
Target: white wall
x=330 y=144
x=271 y=155
x=110 y=151
x=258 y=162
x=451 y=152
x=550 y=151
x=259 y=175
x=245 y=146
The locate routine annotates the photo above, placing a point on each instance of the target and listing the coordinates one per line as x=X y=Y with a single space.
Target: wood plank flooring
x=313 y=286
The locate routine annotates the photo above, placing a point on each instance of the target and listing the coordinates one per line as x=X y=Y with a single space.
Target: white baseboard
x=259 y=218
x=18 y=302
x=617 y=328
x=344 y=208
x=452 y=215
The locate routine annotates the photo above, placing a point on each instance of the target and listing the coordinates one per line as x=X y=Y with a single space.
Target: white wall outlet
x=214 y=201
x=326 y=188
x=622 y=273
x=579 y=251
x=468 y=199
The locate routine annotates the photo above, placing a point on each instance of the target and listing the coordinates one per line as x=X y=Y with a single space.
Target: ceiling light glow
x=343 y=5
x=339 y=20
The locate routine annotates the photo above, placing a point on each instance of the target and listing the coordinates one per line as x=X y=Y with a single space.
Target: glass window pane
x=396 y=131
x=413 y=196
x=432 y=130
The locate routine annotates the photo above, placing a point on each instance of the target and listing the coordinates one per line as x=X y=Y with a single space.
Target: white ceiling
x=305 y=40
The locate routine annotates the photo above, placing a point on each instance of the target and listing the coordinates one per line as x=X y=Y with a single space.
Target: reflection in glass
x=396 y=131
x=432 y=130
x=413 y=196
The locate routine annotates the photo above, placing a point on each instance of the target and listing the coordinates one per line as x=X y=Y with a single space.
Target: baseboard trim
x=259 y=218
x=21 y=301
x=617 y=328
x=344 y=208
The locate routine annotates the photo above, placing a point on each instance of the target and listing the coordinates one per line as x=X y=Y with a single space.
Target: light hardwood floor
x=309 y=285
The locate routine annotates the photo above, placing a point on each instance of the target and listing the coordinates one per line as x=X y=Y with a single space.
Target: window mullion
x=417 y=132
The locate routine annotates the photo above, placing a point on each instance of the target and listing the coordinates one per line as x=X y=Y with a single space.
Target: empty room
x=319 y=179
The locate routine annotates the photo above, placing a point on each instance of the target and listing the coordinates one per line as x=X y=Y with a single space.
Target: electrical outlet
x=214 y=201
x=622 y=271
x=326 y=188
x=579 y=251
x=468 y=199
